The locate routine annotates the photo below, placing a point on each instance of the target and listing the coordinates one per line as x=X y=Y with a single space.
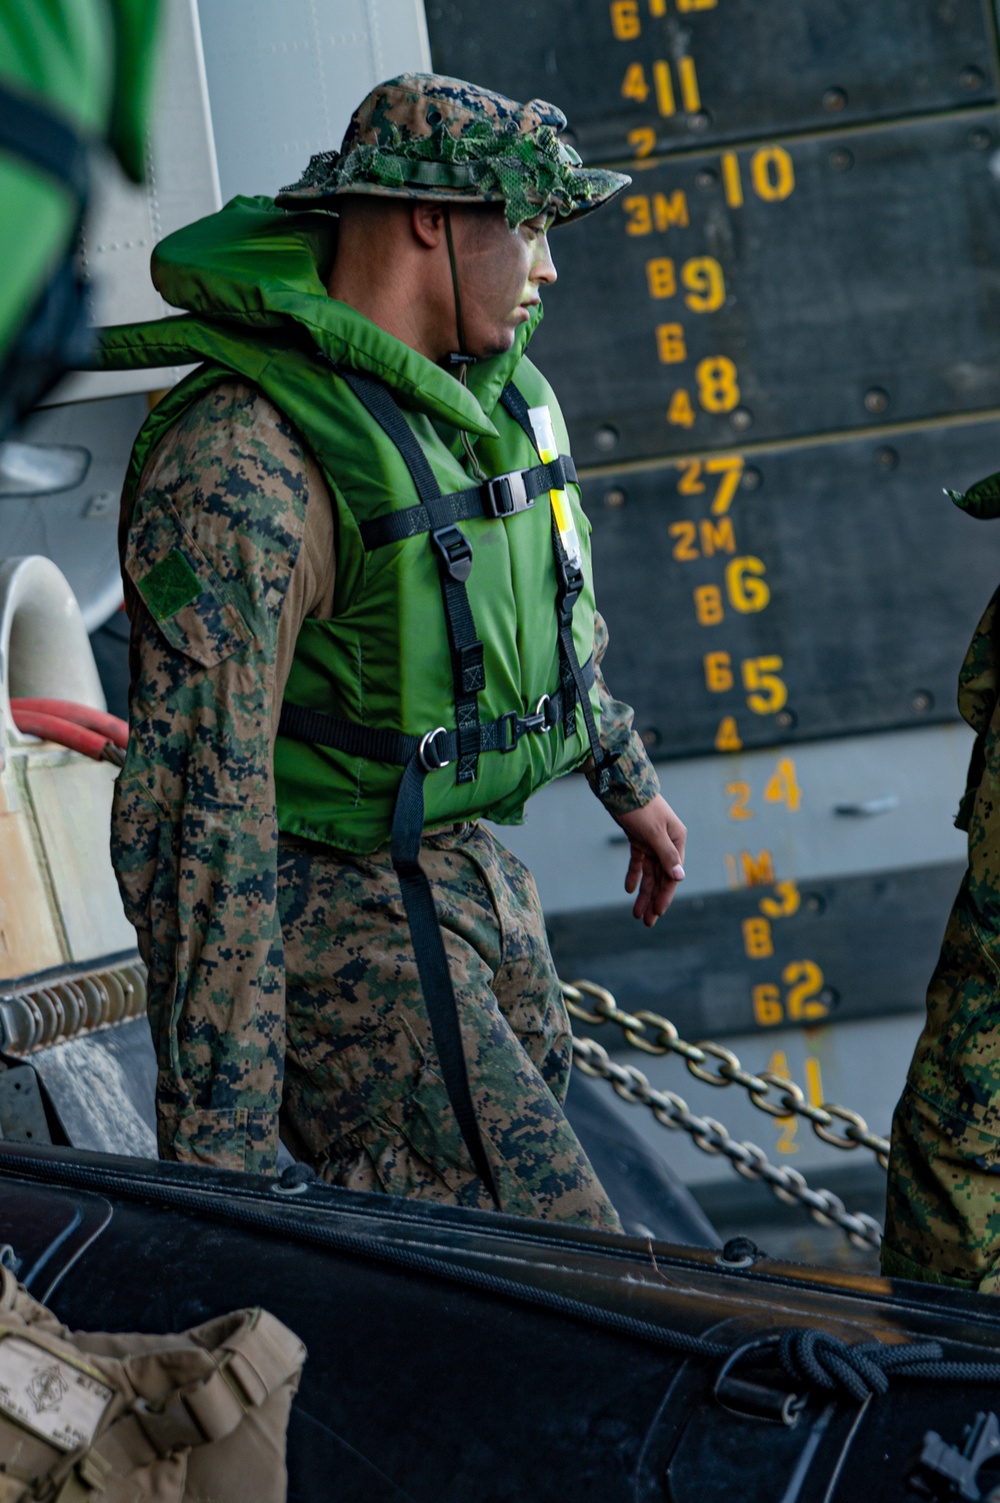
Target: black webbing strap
x=454 y=555
x=455 y=560
x=570 y=583
x=503 y=496
x=30 y=130
x=432 y=962
x=440 y=748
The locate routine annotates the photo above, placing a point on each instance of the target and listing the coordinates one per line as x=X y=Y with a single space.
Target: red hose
x=65 y=733
x=108 y=727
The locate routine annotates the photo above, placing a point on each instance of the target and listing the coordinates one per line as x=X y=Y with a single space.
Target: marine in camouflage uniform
x=282 y=976
x=943 y=1215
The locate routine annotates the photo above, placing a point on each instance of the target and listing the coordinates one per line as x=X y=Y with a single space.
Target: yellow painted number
x=772 y=174
x=715 y=537
x=740 y=795
x=662 y=211
x=708 y=606
x=787 y=1126
x=783 y=785
x=804 y=980
x=638 y=218
x=767 y=692
x=642 y=140
x=703 y=278
x=685 y=549
x=718 y=672
x=750 y=870
x=670 y=344
x=729 y=469
x=801 y=1004
x=744 y=584
x=664 y=89
x=727 y=737
x=732 y=183
x=680 y=412
x=688 y=79
x=758 y=942
x=787 y=900
x=718 y=389
x=690 y=483
x=767 y=1009
x=634 y=85
x=661 y=278
x=625 y=21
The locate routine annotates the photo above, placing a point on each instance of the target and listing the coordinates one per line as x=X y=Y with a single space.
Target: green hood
x=252 y=266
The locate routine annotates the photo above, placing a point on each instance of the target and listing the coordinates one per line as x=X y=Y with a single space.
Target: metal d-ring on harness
x=438 y=515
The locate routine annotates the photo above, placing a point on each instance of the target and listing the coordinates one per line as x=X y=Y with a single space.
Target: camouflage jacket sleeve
x=633 y=778
x=214 y=543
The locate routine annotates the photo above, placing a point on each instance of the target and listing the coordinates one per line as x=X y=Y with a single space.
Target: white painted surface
x=915 y=778
x=78 y=527
x=284 y=78
x=127 y=221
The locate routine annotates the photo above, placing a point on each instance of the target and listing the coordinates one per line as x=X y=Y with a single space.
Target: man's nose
x=544 y=269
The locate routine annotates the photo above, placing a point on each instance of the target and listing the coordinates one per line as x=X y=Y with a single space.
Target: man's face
x=501 y=273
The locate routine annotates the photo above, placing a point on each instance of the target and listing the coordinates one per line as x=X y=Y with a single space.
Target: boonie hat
x=426 y=136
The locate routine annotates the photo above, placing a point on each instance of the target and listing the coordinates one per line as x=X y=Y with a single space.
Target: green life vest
x=253 y=277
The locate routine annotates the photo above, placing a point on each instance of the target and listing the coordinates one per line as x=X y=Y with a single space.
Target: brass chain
x=787 y=1099
x=712 y=1137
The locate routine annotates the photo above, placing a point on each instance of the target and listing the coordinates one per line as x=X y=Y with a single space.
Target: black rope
x=818 y=1360
x=810 y=1357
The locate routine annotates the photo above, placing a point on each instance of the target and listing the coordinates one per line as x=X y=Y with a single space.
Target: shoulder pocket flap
x=182 y=592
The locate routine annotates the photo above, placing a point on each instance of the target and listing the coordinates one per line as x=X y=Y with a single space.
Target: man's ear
x=427 y=222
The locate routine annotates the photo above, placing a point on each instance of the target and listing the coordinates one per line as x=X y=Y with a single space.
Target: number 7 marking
x=730 y=469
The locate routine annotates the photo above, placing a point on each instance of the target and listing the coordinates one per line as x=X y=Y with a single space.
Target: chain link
x=712 y=1137
x=770 y=1093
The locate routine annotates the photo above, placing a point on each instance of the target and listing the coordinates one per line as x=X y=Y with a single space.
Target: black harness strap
x=503 y=496
x=571 y=581
x=34 y=131
x=454 y=555
x=455 y=561
x=438 y=749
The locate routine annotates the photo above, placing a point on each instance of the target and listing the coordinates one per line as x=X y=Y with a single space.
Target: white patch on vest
x=49 y=1396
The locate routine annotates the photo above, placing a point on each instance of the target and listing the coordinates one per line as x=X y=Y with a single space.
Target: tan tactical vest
x=87 y=1417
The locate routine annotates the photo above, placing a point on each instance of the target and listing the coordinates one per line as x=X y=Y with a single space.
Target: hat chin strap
x=458 y=358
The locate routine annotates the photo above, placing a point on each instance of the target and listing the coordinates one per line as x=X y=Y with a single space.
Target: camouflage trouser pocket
x=375 y=1114
x=956 y=1065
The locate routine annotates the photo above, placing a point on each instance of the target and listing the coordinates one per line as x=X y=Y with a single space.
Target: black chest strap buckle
x=505 y=494
x=455 y=551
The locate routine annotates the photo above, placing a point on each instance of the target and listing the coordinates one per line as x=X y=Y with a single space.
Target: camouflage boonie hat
x=425 y=136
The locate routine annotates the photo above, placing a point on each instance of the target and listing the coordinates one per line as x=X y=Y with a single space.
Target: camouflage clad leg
x=943 y=1209
x=943 y=1213
x=362 y=1091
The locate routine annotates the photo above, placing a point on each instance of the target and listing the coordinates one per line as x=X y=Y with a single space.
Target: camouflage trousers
x=364 y=1101
x=943 y=1209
